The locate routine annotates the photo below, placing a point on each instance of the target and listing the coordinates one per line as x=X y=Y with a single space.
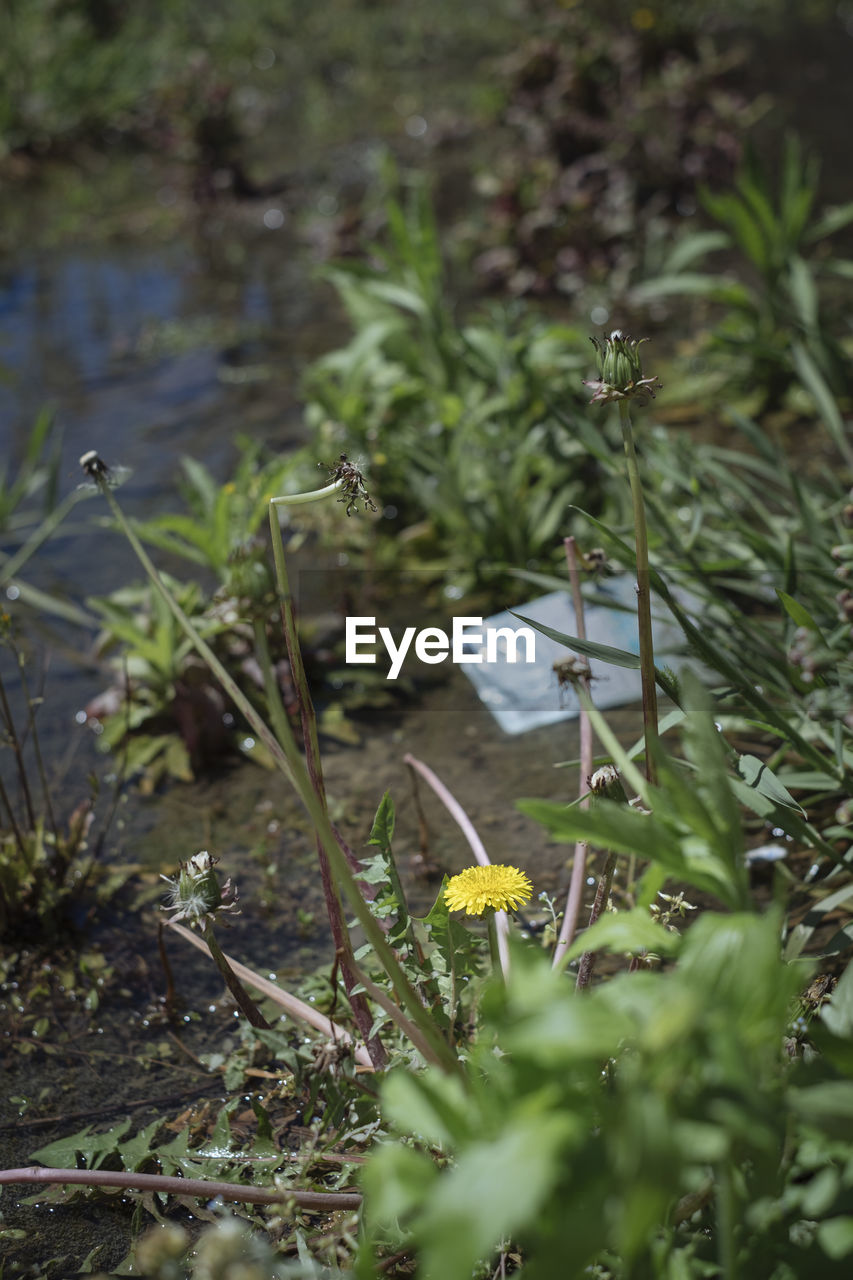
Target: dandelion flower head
x=476 y=889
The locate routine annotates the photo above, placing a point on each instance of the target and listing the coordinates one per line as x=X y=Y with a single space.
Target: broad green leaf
x=397 y=1181
x=835 y=1236
x=495 y=1189
x=626 y=931
x=430 y=1106
x=828 y=1106
x=92 y=1147
x=138 y=1149
x=609 y=826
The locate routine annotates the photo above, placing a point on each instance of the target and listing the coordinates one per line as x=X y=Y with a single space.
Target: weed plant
x=782 y=318
x=163 y=710
x=51 y=878
x=30 y=513
x=455 y=419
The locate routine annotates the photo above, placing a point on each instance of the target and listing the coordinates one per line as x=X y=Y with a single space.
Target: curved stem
x=471 y=834
x=292 y=1005
x=311 y=495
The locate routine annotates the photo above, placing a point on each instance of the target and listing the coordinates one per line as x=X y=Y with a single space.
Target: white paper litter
x=524 y=696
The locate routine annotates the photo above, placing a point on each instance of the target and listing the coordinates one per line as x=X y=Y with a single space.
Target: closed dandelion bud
x=606 y=784
x=196 y=892
x=620 y=370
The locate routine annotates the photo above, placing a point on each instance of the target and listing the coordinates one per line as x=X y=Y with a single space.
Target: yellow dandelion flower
x=476 y=889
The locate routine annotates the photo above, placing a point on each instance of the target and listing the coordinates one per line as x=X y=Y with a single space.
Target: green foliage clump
x=456 y=422
x=782 y=321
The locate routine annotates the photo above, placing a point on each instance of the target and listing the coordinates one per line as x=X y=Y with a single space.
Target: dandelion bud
x=605 y=784
x=620 y=370
x=196 y=892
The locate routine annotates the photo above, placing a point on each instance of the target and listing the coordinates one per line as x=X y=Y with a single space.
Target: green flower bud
x=621 y=370
x=196 y=892
x=606 y=784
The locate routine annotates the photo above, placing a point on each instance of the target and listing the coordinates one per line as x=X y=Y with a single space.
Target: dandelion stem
x=644 y=607
x=334 y=907
x=494 y=945
x=244 y=1001
x=290 y=763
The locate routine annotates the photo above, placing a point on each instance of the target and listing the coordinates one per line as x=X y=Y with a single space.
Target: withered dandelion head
x=477 y=889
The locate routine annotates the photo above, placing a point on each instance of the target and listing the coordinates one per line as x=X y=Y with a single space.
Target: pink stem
x=186 y=1187
x=573 y=901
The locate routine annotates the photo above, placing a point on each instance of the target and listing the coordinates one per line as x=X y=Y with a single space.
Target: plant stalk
x=156 y=1182
x=573 y=901
x=311 y=743
x=244 y=1001
x=602 y=893
x=644 y=604
x=290 y=763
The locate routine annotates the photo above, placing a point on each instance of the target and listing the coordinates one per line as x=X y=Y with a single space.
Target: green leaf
x=397 y=1180
x=694 y=246
x=718 y=288
x=833 y=220
x=813 y=381
x=138 y=1149
x=803 y=292
x=382 y=831
x=837 y=1013
x=828 y=1106
x=761 y=777
x=604 y=652
x=800 y=934
x=91 y=1147
x=495 y=1189
x=626 y=931
x=798 y=612
x=608 y=826
x=430 y=1106
x=835 y=1236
